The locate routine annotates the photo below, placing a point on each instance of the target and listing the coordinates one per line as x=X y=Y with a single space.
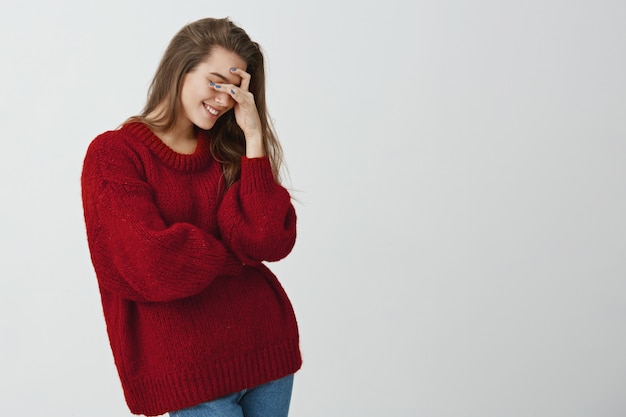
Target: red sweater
x=192 y=314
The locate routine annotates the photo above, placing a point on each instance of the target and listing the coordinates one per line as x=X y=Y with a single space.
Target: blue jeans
x=270 y=399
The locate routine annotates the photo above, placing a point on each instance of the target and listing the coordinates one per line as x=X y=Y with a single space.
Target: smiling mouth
x=211 y=110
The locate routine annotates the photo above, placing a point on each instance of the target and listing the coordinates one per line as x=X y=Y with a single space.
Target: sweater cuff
x=256 y=174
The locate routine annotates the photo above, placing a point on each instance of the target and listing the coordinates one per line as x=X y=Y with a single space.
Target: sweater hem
x=160 y=394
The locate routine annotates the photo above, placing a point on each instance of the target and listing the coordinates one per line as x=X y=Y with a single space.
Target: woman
x=182 y=205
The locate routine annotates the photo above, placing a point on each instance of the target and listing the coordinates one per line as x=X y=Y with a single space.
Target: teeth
x=212 y=110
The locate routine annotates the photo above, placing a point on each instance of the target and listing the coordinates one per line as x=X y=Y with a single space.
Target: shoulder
x=114 y=153
x=113 y=141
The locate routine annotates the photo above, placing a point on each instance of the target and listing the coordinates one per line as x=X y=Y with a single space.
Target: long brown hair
x=190 y=47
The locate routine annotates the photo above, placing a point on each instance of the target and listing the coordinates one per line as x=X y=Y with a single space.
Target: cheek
x=189 y=95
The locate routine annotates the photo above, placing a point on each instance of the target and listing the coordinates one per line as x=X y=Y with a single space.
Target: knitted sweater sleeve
x=256 y=217
x=135 y=254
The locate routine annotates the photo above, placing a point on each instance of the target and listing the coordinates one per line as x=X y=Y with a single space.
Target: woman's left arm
x=256 y=218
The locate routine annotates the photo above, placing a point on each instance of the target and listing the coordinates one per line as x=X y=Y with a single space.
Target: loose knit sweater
x=192 y=313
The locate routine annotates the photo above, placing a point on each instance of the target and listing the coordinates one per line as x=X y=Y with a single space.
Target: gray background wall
x=460 y=170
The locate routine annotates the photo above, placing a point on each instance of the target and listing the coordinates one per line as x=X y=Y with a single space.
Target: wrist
x=254 y=147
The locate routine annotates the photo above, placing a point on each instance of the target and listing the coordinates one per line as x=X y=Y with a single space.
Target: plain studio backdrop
x=460 y=171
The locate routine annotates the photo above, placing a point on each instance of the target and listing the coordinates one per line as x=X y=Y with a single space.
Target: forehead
x=221 y=61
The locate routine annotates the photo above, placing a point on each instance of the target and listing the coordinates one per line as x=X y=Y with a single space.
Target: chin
x=205 y=125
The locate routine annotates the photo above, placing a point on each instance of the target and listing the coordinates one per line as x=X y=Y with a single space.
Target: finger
x=242 y=97
x=229 y=88
x=237 y=93
x=245 y=78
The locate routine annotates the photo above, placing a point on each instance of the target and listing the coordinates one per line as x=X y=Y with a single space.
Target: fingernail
x=232 y=91
x=218 y=86
x=211 y=83
x=233 y=69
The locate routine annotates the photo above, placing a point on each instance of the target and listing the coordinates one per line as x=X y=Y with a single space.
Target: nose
x=223 y=99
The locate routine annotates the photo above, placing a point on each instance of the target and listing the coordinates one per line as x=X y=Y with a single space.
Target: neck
x=181 y=137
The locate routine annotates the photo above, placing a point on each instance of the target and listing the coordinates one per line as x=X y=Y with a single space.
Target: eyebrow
x=217 y=74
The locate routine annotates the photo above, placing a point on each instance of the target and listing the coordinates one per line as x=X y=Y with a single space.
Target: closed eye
x=223 y=79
